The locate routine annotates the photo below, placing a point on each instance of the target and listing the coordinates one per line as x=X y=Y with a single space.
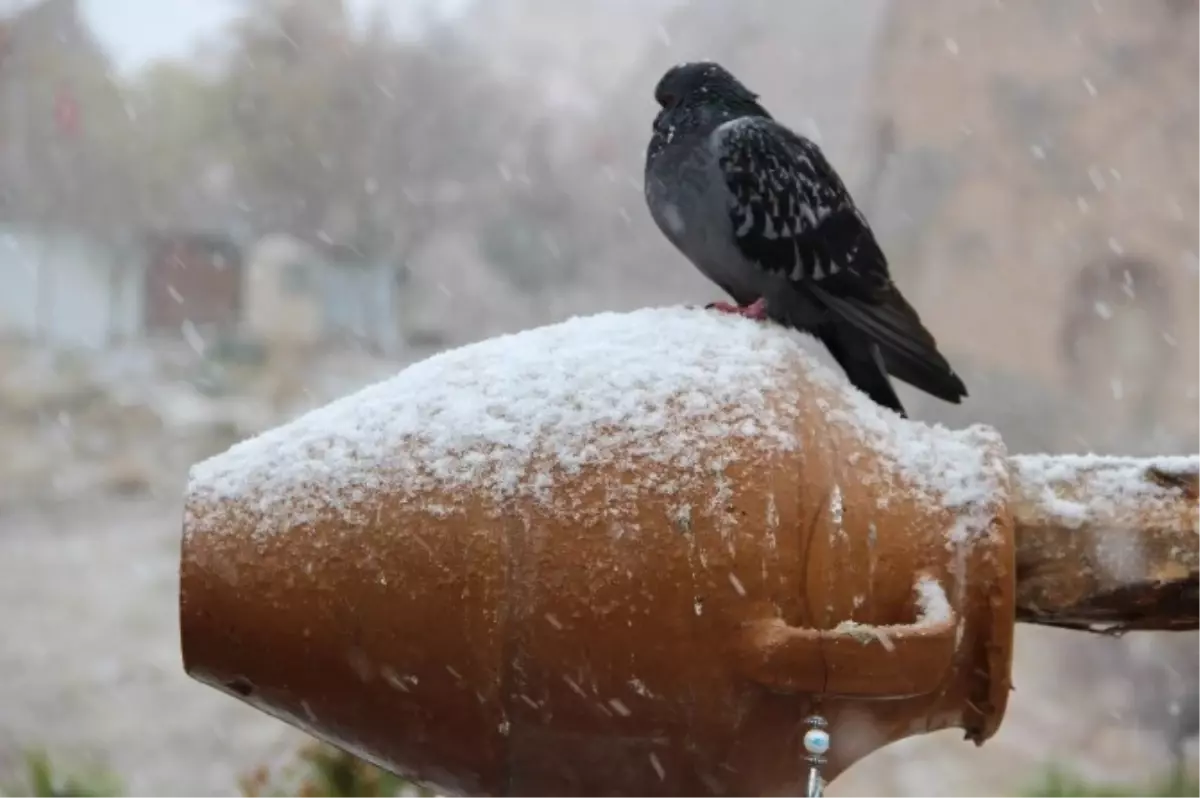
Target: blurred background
x=215 y=214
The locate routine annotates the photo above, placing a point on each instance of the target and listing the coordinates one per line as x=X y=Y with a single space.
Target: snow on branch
x=1106 y=544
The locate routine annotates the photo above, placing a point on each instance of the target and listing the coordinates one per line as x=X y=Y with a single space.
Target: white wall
x=67 y=290
x=19 y=256
x=359 y=302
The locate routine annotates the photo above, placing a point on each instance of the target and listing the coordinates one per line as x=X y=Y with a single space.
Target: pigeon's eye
x=665 y=93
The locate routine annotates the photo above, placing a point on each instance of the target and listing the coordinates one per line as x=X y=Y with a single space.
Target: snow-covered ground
x=96 y=454
x=90 y=668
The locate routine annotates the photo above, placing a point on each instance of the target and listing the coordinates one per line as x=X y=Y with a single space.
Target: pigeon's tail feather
x=909 y=352
x=935 y=379
x=862 y=361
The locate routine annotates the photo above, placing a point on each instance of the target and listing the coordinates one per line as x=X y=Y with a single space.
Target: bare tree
x=361 y=142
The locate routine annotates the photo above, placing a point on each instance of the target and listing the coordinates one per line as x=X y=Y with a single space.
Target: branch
x=1107 y=544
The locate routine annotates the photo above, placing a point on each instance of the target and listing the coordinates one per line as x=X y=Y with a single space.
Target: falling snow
x=737 y=584
x=95 y=454
x=658 y=768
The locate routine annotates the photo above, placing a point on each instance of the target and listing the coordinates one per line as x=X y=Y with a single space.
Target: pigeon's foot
x=757 y=310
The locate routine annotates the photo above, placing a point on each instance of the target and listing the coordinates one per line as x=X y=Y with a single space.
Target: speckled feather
x=791 y=212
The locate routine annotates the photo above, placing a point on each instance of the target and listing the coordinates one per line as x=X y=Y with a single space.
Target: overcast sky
x=137 y=31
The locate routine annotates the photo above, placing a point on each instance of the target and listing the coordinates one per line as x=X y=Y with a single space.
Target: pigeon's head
x=704 y=83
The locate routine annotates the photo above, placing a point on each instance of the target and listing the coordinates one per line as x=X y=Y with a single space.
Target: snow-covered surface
x=1076 y=490
x=90 y=669
x=674 y=386
x=961 y=470
x=671 y=385
x=931 y=599
x=933 y=610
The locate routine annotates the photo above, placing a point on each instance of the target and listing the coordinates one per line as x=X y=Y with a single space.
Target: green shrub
x=323 y=770
x=42 y=781
x=1058 y=783
x=319 y=770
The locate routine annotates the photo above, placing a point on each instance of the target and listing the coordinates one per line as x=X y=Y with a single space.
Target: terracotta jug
x=625 y=554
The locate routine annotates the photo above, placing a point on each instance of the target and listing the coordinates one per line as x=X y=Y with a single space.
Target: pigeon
x=758 y=210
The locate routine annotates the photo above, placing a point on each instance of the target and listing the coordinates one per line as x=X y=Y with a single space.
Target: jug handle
x=857 y=660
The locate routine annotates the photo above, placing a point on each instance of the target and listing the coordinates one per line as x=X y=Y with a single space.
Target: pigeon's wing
x=792 y=215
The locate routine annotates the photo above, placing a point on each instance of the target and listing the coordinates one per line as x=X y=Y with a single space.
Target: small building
x=282 y=290
x=70 y=288
x=191 y=278
x=299 y=295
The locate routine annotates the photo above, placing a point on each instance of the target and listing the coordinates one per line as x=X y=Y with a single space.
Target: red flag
x=66 y=111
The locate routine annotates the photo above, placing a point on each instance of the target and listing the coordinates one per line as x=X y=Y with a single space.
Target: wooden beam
x=1107 y=544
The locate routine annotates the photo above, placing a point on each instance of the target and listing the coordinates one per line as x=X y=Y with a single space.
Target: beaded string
x=816 y=743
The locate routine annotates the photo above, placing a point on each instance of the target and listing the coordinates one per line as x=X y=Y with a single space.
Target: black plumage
x=760 y=211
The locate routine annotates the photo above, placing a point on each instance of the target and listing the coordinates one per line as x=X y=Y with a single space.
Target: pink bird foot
x=757 y=310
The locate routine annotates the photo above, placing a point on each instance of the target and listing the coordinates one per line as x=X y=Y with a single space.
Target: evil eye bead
x=816 y=742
